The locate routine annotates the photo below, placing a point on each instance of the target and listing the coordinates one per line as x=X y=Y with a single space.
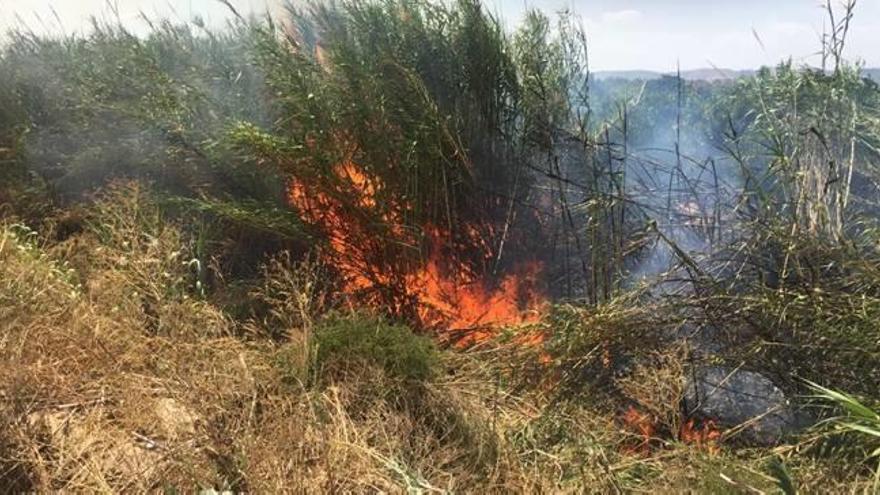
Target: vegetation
x=858 y=418
x=221 y=255
x=400 y=353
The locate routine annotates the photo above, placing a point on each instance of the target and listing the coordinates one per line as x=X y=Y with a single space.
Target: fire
x=330 y=214
x=704 y=435
x=701 y=434
x=641 y=424
x=463 y=300
x=439 y=289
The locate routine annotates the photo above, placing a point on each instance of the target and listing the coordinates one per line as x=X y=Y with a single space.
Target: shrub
x=367 y=339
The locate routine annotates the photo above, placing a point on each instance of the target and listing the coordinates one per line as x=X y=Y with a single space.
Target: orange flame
x=445 y=293
x=704 y=435
x=641 y=424
x=701 y=434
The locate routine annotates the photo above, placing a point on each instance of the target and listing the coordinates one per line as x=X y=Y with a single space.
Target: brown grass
x=115 y=375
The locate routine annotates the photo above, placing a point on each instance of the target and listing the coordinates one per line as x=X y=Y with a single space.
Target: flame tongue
x=705 y=434
x=442 y=292
x=461 y=301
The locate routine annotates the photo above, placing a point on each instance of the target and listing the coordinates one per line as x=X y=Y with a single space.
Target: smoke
x=158 y=107
x=676 y=171
x=111 y=104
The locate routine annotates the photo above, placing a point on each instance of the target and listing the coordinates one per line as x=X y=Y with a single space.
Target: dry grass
x=129 y=381
x=117 y=376
x=657 y=385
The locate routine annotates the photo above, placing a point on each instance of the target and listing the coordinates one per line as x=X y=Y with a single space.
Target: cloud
x=621 y=16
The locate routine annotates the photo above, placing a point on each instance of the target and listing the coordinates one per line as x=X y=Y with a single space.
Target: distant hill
x=704 y=74
x=873 y=73
x=629 y=75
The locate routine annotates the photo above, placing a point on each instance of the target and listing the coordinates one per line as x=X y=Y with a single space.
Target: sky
x=657 y=34
x=623 y=34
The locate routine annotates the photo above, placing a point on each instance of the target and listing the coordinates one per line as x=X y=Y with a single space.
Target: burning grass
x=402 y=335
x=118 y=376
x=420 y=272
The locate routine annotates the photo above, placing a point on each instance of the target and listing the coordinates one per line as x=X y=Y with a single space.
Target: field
x=388 y=246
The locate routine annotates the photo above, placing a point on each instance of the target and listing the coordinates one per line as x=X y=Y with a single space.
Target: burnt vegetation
x=390 y=245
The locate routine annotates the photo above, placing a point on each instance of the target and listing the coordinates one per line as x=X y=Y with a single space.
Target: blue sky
x=624 y=34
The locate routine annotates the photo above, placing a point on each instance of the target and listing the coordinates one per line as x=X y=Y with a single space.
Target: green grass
x=365 y=339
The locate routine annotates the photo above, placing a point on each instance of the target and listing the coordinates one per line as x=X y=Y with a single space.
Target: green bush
x=368 y=339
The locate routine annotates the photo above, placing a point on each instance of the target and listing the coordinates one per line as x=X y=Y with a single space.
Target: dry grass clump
x=657 y=386
x=288 y=298
x=98 y=394
x=594 y=346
